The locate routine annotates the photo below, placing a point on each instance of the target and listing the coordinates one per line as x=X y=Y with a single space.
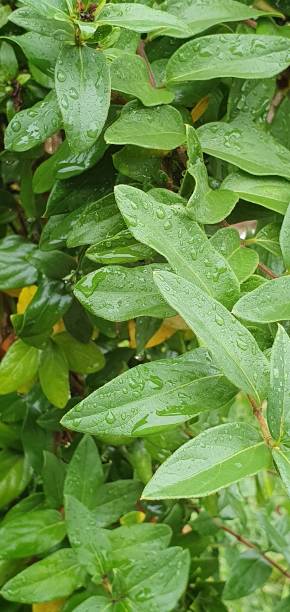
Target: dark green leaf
x=248 y=574
x=268 y=303
x=228 y=55
x=170 y=232
x=153 y=396
x=117 y=293
x=86 y=460
x=159 y=127
x=33 y=126
x=232 y=345
x=194 y=470
x=31 y=534
x=55 y=576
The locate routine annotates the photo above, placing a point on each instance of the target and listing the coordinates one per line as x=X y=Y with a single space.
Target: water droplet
x=160 y=213
x=219 y=320
x=16 y=125
x=110 y=418
x=64 y=102
x=73 y=93
x=61 y=76
x=167 y=224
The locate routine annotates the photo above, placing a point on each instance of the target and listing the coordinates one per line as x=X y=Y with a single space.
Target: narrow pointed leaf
x=247 y=146
x=170 y=232
x=229 y=55
x=285 y=238
x=153 y=396
x=269 y=192
x=117 y=293
x=34 y=125
x=55 y=576
x=268 y=303
x=141 y=18
x=232 y=345
x=278 y=407
x=281 y=456
x=204 y=14
x=215 y=459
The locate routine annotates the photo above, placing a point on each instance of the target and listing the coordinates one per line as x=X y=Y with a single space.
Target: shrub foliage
x=145 y=306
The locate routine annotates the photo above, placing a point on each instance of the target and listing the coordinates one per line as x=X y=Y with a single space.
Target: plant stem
x=257 y=411
x=141 y=51
x=267 y=270
x=249 y=544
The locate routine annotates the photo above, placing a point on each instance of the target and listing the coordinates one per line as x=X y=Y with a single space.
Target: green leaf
x=97 y=604
x=138 y=541
x=93 y=222
x=86 y=460
x=130 y=75
x=161 y=582
x=42 y=24
x=268 y=303
x=113 y=499
x=5 y=11
x=269 y=192
x=242 y=260
x=54 y=264
x=160 y=127
x=18 y=366
x=278 y=407
x=268 y=239
x=90 y=543
x=55 y=576
x=34 y=125
x=32 y=533
x=121 y=248
x=194 y=470
x=54 y=375
x=205 y=205
x=56 y=9
x=169 y=231
x=16 y=269
x=205 y=14
x=152 y=397
x=117 y=293
x=245 y=145
x=8 y=62
x=41 y=53
x=15 y=474
x=281 y=456
x=232 y=345
x=248 y=574
x=47 y=307
x=140 y=18
x=228 y=55
x=82 y=85
x=284 y=238
x=53 y=476
x=83 y=358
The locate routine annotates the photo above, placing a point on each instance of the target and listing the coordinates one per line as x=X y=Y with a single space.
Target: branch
x=262 y=421
x=249 y=544
x=267 y=270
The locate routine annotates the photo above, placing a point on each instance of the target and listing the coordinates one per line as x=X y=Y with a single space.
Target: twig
x=261 y=420
x=141 y=51
x=249 y=544
x=267 y=270
x=275 y=103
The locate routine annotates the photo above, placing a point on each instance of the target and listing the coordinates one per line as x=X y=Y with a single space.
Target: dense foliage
x=145 y=306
